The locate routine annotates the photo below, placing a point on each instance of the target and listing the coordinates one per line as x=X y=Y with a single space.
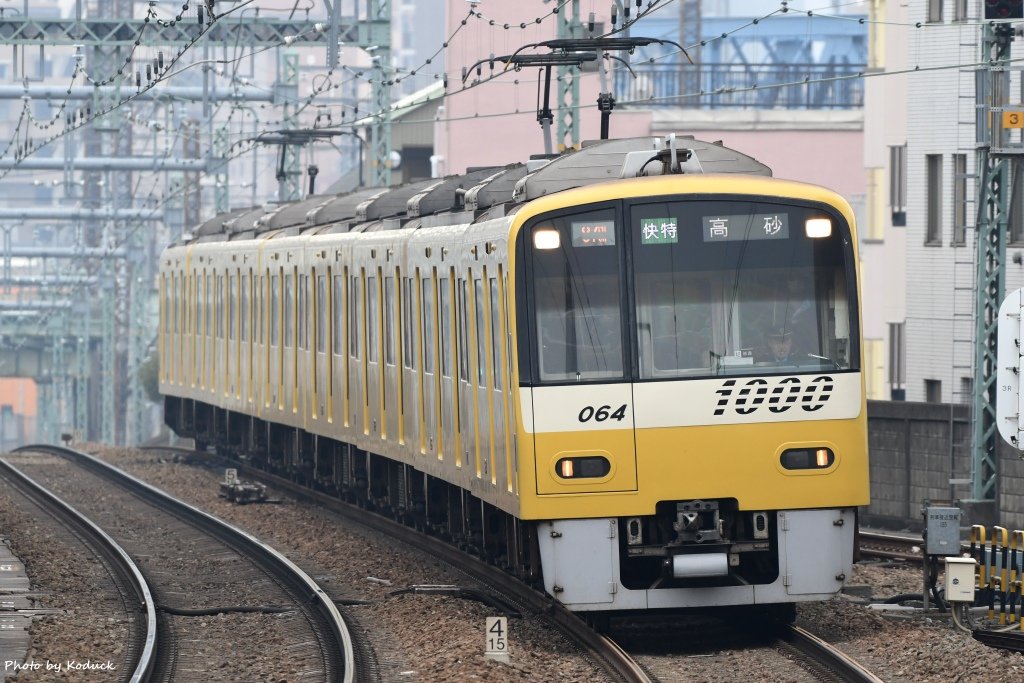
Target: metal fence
x=718 y=86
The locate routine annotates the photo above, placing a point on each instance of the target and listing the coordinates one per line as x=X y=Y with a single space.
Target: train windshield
x=733 y=287
x=693 y=288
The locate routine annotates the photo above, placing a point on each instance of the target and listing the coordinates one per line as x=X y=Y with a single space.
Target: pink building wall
x=479 y=126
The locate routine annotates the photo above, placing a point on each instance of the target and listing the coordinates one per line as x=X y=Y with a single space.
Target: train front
x=691 y=392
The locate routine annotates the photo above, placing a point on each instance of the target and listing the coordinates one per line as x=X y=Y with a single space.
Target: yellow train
x=631 y=372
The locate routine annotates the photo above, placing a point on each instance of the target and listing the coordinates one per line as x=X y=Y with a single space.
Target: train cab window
x=275 y=310
x=577 y=321
x=289 y=309
x=372 y=319
x=739 y=287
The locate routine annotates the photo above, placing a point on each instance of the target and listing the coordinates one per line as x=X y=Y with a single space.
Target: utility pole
x=112 y=332
x=994 y=161
x=568 y=134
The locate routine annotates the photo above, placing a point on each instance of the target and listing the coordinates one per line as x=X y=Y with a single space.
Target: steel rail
x=300 y=584
x=603 y=649
x=117 y=559
x=844 y=666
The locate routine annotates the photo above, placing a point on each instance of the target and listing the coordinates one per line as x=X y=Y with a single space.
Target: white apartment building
x=941 y=195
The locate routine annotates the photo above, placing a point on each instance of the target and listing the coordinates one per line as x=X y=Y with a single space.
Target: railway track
x=143 y=645
x=890 y=546
x=820 y=659
x=317 y=612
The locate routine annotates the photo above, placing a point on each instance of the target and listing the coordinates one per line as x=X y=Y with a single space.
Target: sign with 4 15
x=602 y=413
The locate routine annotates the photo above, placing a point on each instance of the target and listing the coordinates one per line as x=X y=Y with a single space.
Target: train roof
x=483 y=192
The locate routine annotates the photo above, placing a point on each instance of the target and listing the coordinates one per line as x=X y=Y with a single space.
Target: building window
x=933 y=165
x=966 y=389
x=959 y=10
x=898 y=184
x=935 y=11
x=897 y=362
x=959 y=199
x=1016 y=217
x=933 y=391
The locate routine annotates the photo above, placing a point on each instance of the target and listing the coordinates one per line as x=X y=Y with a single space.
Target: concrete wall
x=916 y=449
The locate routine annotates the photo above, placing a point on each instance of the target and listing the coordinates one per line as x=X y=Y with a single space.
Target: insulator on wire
x=615 y=15
x=149 y=72
x=590 y=23
x=138 y=79
x=160 y=59
x=626 y=8
x=444 y=80
x=639 y=3
x=199 y=14
x=464 y=73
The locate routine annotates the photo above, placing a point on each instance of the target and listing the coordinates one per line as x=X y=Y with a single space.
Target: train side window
x=218 y=306
x=320 y=303
x=289 y=309
x=275 y=310
x=481 y=334
x=339 y=309
x=174 y=303
x=232 y=305
x=372 y=317
x=429 y=322
x=246 y=309
x=261 y=309
x=355 y=309
x=446 y=328
x=463 y=349
x=496 y=340
x=408 y=320
x=389 y=320
x=208 y=305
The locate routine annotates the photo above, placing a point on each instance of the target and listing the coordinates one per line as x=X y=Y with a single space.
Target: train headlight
x=818 y=227
x=546 y=238
x=583 y=467
x=807 y=458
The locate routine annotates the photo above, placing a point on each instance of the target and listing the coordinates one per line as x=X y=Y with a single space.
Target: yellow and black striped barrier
x=1000 y=571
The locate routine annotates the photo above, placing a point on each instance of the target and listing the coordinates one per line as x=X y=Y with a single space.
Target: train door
x=339 y=340
x=430 y=383
x=481 y=398
x=411 y=420
x=391 y=385
x=496 y=305
x=321 y=355
x=231 y=351
x=276 y=346
x=287 y=397
x=581 y=401
x=357 y=352
x=469 y=445
x=374 y=398
x=447 y=350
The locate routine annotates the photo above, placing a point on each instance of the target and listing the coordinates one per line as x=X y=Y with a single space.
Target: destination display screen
x=593 y=233
x=760 y=226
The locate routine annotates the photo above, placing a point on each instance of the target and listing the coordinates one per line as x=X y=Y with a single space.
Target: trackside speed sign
x=1009 y=402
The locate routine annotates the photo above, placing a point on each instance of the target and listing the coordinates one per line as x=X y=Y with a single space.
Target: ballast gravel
x=440 y=638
